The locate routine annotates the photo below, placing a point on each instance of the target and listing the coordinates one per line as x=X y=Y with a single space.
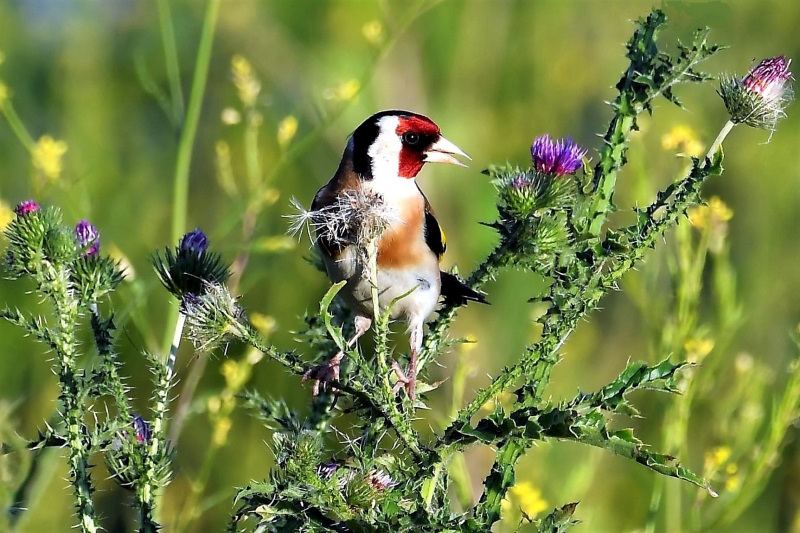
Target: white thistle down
x=357 y=218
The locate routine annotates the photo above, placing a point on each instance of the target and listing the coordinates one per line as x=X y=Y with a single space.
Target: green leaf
x=714 y=163
x=324 y=305
x=559 y=520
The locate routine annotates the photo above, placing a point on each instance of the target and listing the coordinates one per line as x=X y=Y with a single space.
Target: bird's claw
x=407 y=381
x=323 y=374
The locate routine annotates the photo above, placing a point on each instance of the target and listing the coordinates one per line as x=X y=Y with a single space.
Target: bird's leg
x=327 y=372
x=408 y=380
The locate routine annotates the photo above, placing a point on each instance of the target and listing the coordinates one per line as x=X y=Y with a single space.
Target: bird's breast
x=402 y=244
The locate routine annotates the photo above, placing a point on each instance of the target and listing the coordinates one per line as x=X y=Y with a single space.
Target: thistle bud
x=195 y=241
x=759 y=99
x=88 y=238
x=26 y=207
x=556 y=158
x=190 y=267
x=141 y=430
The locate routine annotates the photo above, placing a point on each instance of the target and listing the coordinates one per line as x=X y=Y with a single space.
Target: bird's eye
x=410 y=138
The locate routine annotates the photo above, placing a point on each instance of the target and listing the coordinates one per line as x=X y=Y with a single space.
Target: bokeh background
x=493 y=74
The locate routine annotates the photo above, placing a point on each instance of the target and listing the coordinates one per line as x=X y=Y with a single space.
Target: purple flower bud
x=759 y=99
x=195 y=241
x=557 y=158
x=26 y=207
x=327 y=470
x=88 y=236
x=142 y=429
x=768 y=78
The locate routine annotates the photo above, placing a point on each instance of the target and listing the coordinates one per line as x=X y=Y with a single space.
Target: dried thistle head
x=358 y=217
x=213 y=317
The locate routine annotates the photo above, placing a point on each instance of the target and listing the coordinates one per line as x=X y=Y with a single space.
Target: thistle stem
x=79 y=442
x=726 y=129
x=172 y=357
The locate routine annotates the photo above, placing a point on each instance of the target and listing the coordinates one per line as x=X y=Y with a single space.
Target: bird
x=383 y=157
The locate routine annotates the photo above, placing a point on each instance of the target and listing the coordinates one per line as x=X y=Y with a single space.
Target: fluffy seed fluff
x=213 y=317
x=357 y=218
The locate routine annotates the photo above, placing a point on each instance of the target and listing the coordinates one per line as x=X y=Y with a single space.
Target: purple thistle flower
x=195 y=241
x=142 y=429
x=26 y=207
x=768 y=78
x=327 y=470
x=759 y=98
x=556 y=158
x=88 y=236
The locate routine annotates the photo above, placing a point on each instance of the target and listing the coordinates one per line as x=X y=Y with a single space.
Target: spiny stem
x=79 y=442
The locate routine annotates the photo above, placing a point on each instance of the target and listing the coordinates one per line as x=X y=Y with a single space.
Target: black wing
x=455 y=292
x=434 y=236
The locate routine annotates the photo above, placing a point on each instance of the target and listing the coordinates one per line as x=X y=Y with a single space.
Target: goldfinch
x=382 y=158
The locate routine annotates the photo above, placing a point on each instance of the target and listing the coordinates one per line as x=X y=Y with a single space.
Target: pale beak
x=442 y=151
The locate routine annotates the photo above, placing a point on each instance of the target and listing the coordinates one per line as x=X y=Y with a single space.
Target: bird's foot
x=407 y=381
x=323 y=374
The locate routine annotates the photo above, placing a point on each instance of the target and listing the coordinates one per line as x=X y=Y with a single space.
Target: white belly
x=423 y=285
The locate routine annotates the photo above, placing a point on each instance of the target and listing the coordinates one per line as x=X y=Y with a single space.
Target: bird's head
x=398 y=144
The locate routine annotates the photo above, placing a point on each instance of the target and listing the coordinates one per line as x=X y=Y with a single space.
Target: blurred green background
x=492 y=74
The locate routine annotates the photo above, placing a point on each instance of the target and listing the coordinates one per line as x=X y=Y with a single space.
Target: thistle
x=759 y=98
x=88 y=238
x=187 y=268
x=358 y=217
x=26 y=207
x=556 y=158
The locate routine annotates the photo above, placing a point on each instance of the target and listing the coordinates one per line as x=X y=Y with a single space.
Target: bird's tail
x=456 y=292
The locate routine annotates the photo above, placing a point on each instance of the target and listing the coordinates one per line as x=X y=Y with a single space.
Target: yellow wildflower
x=245 y=80
x=286 y=131
x=715 y=213
x=221 y=429
x=499 y=400
x=684 y=140
x=235 y=375
x=697 y=349
x=214 y=404
x=732 y=483
x=230 y=116
x=6 y=215
x=276 y=243
x=744 y=363
x=344 y=92
x=527 y=497
x=265 y=324
x=373 y=32
x=270 y=196
x=47 y=155
x=253 y=356
x=4 y=93
x=225 y=178
x=717 y=457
